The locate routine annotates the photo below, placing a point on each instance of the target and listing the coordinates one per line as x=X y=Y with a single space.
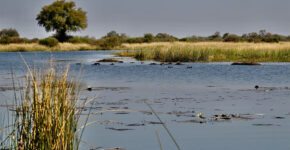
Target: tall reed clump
x=48 y=112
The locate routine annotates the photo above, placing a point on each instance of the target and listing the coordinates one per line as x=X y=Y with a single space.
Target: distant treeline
x=114 y=39
x=8 y=36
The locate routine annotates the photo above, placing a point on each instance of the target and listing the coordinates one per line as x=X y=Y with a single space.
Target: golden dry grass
x=47 y=113
x=212 y=45
x=38 y=47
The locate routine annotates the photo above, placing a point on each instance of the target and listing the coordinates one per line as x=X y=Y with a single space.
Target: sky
x=180 y=18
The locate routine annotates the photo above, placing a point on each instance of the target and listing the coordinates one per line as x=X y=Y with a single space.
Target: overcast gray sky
x=178 y=17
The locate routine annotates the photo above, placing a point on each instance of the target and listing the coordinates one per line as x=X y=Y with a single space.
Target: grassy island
x=208 y=51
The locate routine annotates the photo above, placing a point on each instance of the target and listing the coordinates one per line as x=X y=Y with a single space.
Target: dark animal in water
x=97 y=64
x=89 y=88
x=256 y=87
x=247 y=63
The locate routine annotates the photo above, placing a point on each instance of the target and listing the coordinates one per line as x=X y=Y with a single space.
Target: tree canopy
x=9 y=33
x=62 y=17
x=112 y=34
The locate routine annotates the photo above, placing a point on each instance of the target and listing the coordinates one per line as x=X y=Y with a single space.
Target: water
x=207 y=88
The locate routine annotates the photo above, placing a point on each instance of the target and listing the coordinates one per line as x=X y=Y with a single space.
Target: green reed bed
x=214 y=52
x=45 y=115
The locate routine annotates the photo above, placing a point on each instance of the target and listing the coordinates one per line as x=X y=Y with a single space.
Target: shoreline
x=208 y=52
x=35 y=47
x=202 y=52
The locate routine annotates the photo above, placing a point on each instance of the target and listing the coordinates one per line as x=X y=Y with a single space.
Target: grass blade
x=164 y=126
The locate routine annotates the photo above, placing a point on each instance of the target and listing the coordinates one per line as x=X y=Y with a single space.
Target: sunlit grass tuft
x=48 y=112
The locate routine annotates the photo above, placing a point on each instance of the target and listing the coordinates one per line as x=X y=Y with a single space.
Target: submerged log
x=246 y=63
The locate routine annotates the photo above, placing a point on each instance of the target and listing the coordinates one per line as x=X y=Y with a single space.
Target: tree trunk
x=61 y=36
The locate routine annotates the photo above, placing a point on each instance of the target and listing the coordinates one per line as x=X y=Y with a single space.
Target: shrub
x=122 y=37
x=5 y=40
x=148 y=37
x=232 y=38
x=19 y=40
x=34 y=40
x=215 y=37
x=271 y=38
x=77 y=39
x=8 y=40
x=186 y=39
x=111 y=42
x=50 y=42
x=164 y=37
x=135 y=40
x=112 y=34
x=190 y=39
x=9 y=32
x=253 y=37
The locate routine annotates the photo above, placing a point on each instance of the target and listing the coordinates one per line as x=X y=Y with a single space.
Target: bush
x=186 y=39
x=112 y=34
x=50 y=42
x=135 y=40
x=232 y=38
x=19 y=40
x=164 y=37
x=253 y=37
x=77 y=39
x=215 y=37
x=9 y=32
x=34 y=40
x=271 y=38
x=111 y=42
x=148 y=37
x=5 y=40
x=190 y=39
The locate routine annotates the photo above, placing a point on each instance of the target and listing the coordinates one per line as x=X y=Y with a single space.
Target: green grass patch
x=209 y=52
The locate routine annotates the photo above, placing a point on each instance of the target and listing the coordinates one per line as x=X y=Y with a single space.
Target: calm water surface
x=177 y=94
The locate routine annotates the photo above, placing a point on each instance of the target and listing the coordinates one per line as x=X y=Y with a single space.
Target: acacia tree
x=62 y=17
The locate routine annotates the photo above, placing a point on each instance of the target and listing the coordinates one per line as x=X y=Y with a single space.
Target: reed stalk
x=46 y=116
